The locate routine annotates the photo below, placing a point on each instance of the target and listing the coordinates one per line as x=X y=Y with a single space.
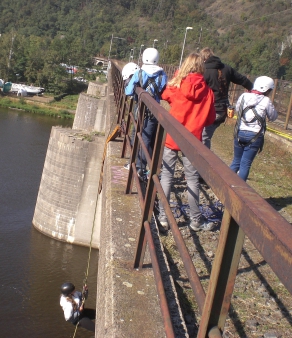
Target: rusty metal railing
x=245 y=214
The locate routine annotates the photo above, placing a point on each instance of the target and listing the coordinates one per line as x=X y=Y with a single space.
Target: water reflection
x=33 y=265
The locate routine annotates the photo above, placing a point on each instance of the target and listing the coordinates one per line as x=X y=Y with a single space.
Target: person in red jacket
x=192 y=104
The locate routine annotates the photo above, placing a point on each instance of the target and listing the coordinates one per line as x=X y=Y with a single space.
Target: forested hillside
x=37 y=35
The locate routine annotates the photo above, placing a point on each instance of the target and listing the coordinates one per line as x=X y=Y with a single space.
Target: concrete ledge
x=127 y=302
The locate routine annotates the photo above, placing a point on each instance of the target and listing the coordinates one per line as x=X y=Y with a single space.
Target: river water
x=33 y=266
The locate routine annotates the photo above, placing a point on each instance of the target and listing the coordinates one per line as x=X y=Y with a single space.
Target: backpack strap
x=150 y=84
x=140 y=78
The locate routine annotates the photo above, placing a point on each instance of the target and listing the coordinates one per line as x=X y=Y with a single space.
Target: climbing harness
x=257 y=117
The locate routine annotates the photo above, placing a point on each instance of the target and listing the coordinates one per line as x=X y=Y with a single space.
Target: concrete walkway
x=127 y=301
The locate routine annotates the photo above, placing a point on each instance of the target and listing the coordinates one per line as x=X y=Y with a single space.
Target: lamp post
x=131 y=55
x=155 y=40
x=200 y=37
x=113 y=37
x=182 y=52
x=139 y=57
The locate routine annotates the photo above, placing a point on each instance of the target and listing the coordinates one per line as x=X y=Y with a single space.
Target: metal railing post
x=150 y=195
x=233 y=94
x=127 y=138
x=288 y=113
x=274 y=90
x=246 y=213
x=223 y=275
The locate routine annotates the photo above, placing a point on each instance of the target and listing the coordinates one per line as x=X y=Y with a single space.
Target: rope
x=115 y=133
x=112 y=136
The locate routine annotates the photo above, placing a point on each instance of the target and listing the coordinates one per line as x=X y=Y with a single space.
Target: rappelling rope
x=116 y=132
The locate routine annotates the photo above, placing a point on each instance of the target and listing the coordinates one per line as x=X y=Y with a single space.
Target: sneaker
x=127 y=166
x=141 y=175
x=163 y=224
x=201 y=224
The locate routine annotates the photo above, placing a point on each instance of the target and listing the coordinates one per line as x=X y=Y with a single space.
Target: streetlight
x=182 y=52
x=131 y=55
x=200 y=37
x=113 y=37
x=155 y=40
x=139 y=57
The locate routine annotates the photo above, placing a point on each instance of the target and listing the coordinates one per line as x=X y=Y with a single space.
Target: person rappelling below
x=72 y=303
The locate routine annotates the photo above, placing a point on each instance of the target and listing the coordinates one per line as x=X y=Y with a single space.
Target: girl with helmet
x=192 y=104
x=72 y=303
x=128 y=70
x=253 y=108
x=153 y=79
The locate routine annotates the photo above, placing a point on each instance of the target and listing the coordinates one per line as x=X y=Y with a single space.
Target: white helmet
x=150 y=56
x=263 y=83
x=129 y=69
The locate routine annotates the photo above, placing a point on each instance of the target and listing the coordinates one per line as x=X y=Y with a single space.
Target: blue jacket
x=148 y=72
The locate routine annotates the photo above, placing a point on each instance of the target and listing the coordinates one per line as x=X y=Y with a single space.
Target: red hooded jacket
x=192 y=105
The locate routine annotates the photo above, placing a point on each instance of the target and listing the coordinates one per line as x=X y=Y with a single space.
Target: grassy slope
x=271 y=171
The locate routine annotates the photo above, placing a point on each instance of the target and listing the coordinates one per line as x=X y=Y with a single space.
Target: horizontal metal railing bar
x=159 y=283
x=180 y=243
x=264 y=226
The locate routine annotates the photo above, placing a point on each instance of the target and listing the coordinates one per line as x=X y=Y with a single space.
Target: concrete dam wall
x=68 y=206
x=90 y=114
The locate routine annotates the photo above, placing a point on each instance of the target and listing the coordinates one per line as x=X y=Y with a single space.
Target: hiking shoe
x=141 y=175
x=163 y=225
x=127 y=166
x=201 y=224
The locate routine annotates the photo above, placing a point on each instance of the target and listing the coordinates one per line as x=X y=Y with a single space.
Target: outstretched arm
x=240 y=79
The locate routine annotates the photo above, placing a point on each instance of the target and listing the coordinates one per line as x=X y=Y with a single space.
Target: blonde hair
x=192 y=64
x=206 y=53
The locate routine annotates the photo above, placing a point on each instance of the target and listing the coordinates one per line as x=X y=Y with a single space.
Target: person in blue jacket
x=153 y=79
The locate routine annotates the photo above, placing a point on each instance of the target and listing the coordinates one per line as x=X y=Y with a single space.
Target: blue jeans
x=148 y=136
x=244 y=155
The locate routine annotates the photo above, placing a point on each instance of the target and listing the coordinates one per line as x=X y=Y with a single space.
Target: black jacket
x=211 y=76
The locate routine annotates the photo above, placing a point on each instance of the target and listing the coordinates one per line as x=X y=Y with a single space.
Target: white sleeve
x=272 y=113
x=67 y=308
x=238 y=102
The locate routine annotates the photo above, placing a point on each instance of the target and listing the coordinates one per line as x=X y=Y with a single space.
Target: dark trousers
x=148 y=136
x=85 y=319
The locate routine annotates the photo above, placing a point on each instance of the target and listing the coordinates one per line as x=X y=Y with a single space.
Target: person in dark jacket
x=218 y=77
